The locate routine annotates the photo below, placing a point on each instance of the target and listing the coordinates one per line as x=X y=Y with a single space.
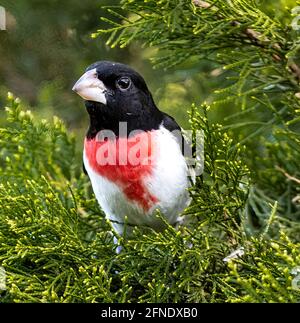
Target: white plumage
x=168 y=183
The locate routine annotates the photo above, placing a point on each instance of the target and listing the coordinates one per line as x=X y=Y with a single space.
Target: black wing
x=170 y=123
x=83 y=168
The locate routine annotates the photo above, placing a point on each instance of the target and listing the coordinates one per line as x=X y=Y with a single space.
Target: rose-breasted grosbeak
x=131 y=154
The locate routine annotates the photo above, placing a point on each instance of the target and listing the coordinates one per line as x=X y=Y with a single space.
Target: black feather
x=170 y=123
x=134 y=106
x=83 y=168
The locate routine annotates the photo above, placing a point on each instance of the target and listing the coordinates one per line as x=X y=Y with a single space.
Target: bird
x=132 y=150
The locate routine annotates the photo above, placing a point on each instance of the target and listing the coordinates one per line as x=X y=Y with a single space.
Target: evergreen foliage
x=241 y=242
x=56 y=247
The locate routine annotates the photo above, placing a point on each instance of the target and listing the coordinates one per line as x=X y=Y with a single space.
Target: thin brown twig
x=290 y=177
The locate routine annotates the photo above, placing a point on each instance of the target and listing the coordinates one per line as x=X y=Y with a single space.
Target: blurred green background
x=48 y=45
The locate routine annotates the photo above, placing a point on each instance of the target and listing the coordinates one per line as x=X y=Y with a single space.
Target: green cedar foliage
x=254 y=44
x=55 y=244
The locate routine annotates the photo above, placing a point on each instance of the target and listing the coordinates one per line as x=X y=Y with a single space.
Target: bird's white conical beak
x=90 y=88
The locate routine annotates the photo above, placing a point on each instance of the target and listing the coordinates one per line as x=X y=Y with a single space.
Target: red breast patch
x=126 y=162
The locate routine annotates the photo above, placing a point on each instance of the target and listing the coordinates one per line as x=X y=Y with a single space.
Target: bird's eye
x=123 y=83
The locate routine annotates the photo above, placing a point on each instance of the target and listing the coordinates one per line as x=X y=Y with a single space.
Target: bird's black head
x=115 y=93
